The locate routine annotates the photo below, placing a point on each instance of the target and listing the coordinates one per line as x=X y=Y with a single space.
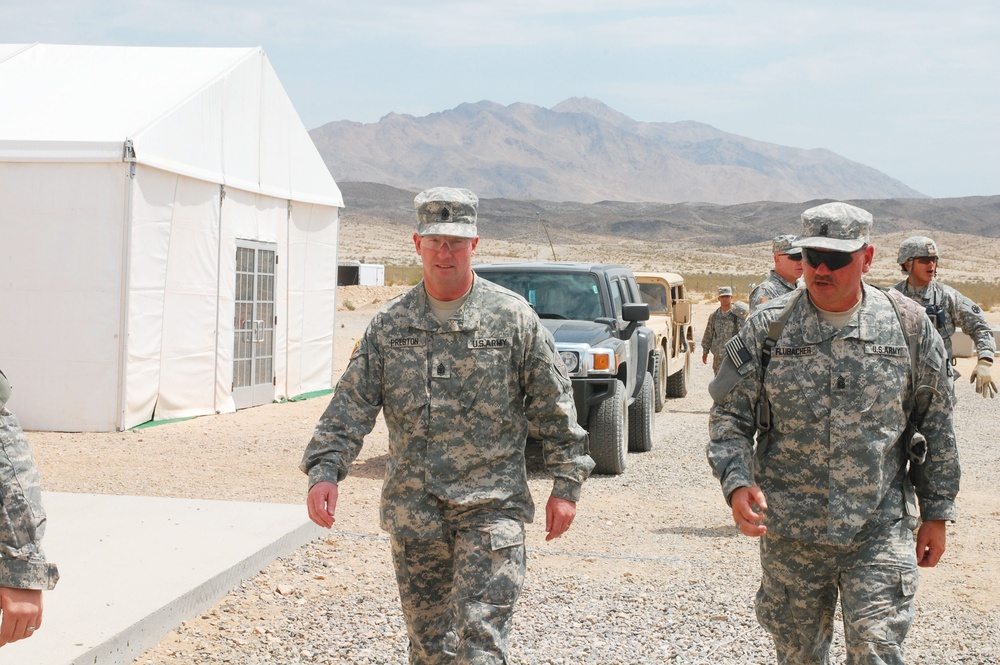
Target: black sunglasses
x=832 y=260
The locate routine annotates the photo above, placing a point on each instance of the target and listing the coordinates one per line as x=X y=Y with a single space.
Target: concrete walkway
x=133 y=568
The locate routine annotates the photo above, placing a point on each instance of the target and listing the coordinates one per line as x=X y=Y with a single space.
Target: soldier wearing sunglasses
x=785 y=275
x=948 y=309
x=825 y=475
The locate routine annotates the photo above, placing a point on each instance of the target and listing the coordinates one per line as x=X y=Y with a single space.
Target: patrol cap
x=915 y=246
x=446 y=211
x=783 y=245
x=837 y=226
x=725 y=291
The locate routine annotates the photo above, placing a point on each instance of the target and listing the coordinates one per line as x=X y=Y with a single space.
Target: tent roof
x=216 y=114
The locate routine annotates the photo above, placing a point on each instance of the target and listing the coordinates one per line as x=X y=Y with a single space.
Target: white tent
x=168 y=236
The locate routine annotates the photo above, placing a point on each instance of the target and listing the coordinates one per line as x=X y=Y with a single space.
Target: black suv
x=596 y=314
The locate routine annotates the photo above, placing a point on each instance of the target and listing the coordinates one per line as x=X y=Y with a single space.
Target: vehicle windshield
x=554 y=295
x=654 y=295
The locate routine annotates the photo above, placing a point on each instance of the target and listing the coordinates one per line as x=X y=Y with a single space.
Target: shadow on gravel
x=705 y=532
x=373 y=469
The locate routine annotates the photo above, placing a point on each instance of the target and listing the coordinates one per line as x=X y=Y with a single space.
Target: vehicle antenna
x=544 y=228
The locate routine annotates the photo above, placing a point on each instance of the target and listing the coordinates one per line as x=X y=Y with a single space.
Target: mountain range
x=372 y=204
x=583 y=151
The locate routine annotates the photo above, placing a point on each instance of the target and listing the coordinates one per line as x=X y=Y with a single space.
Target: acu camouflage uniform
x=720 y=327
x=22 y=519
x=775 y=285
x=956 y=310
x=834 y=470
x=457 y=399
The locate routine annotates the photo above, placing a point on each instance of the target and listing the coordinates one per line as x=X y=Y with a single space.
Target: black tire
x=640 y=418
x=677 y=383
x=608 y=425
x=659 y=380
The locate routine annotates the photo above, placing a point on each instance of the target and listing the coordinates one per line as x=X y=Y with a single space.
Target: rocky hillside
x=704 y=224
x=582 y=150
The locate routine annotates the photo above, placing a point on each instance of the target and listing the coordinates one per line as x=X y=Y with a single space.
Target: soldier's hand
x=559 y=514
x=704 y=359
x=982 y=376
x=322 y=504
x=20 y=613
x=930 y=543
x=749 y=504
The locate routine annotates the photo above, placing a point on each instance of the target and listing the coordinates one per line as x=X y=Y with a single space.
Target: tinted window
x=654 y=295
x=553 y=295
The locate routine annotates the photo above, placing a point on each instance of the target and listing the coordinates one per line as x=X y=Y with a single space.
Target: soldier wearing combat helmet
x=460 y=368
x=812 y=440
x=947 y=308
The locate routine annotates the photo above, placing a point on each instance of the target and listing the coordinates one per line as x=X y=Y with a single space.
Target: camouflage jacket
x=775 y=285
x=721 y=326
x=956 y=311
x=834 y=462
x=22 y=519
x=457 y=398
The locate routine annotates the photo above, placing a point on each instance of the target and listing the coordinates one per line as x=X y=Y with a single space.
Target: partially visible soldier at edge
x=722 y=324
x=786 y=272
x=823 y=435
x=460 y=367
x=947 y=308
x=24 y=572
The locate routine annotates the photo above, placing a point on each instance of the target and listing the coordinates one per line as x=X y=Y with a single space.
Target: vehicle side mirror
x=635 y=311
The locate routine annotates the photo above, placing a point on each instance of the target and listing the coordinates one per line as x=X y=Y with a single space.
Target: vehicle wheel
x=640 y=418
x=608 y=426
x=677 y=383
x=659 y=380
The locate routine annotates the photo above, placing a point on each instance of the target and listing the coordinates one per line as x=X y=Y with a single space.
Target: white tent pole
x=218 y=298
x=288 y=301
x=128 y=155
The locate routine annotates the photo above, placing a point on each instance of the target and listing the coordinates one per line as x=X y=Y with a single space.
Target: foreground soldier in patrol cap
x=787 y=270
x=24 y=573
x=722 y=324
x=460 y=367
x=832 y=381
x=947 y=308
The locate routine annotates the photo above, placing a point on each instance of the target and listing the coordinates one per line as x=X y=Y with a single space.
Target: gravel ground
x=651 y=572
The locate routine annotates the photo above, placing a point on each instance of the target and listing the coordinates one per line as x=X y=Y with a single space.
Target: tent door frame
x=254 y=323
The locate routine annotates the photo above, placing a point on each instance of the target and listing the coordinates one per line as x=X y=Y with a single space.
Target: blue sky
x=909 y=88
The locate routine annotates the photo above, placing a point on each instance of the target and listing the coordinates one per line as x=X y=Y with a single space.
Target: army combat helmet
x=916 y=246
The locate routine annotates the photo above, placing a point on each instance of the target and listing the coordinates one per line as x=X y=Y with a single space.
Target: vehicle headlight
x=571 y=360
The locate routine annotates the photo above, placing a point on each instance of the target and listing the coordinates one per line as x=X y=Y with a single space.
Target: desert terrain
x=651 y=572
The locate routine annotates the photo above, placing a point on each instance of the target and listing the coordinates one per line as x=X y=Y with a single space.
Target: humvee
x=670 y=319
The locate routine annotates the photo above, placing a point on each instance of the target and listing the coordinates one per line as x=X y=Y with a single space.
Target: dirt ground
x=253 y=455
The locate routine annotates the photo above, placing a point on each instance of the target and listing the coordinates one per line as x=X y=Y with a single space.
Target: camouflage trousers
x=458 y=592
x=717 y=359
x=876 y=580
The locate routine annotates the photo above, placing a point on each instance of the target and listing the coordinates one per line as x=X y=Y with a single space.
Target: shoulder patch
x=737 y=352
x=975 y=309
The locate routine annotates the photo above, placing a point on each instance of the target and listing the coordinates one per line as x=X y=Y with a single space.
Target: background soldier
x=787 y=270
x=24 y=572
x=722 y=324
x=918 y=258
x=829 y=394
x=459 y=366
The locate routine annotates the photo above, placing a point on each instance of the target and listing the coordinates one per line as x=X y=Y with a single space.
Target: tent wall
x=62 y=257
x=312 y=297
x=182 y=294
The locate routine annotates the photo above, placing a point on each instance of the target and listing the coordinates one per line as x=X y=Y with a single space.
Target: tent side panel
x=152 y=210
x=61 y=247
x=312 y=297
x=187 y=358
